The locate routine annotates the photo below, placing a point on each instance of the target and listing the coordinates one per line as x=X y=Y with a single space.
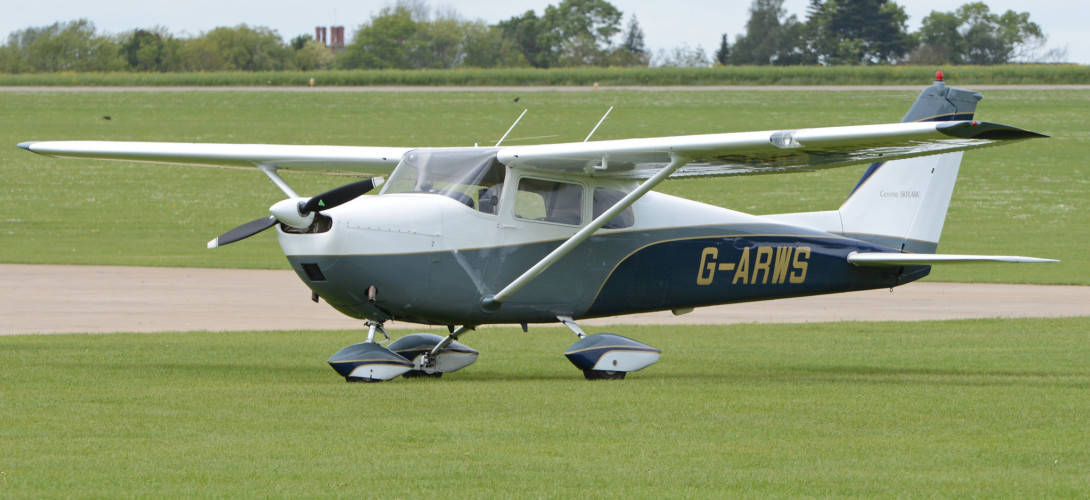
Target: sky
x=666 y=24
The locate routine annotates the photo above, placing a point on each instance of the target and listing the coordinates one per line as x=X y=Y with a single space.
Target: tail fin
x=903 y=203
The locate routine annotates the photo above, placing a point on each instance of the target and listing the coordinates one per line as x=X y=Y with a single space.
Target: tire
x=603 y=375
x=361 y=380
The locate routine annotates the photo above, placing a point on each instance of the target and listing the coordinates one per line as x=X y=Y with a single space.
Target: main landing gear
x=415 y=355
x=607 y=356
x=601 y=356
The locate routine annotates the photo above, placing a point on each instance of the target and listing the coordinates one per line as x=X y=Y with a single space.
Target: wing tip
x=987 y=130
x=25 y=145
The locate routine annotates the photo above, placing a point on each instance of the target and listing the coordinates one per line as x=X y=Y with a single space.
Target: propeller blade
x=337 y=196
x=244 y=231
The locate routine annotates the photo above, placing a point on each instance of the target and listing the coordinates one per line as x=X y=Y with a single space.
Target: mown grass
x=730 y=75
x=1025 y=199
x=984 y=408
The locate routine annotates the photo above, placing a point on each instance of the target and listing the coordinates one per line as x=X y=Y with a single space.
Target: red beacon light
x=938 y=76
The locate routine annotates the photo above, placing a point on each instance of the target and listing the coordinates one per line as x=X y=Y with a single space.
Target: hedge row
x=728 y=75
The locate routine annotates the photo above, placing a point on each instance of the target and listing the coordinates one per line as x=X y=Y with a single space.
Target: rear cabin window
x=549 y=201
x=605 y=198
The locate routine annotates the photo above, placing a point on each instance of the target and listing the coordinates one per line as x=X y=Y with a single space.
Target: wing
x=364 y=160
x=761 y=152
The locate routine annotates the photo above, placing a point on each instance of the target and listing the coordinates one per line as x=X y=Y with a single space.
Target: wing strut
x=275 y=177
x=493 y=303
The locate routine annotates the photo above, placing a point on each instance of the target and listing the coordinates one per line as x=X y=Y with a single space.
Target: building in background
x=332 y=38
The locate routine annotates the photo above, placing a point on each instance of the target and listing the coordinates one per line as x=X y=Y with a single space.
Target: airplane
x=555 y=233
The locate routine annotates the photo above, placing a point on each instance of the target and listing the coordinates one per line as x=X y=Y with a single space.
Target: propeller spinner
x=297 y=212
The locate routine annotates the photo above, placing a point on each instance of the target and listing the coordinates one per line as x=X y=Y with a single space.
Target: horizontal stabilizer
x=883 y=259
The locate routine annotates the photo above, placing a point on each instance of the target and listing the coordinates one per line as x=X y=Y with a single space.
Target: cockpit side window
x=605 y=198
x=549 y=201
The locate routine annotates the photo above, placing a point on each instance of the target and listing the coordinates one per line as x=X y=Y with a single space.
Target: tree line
x=410 y=35
x=876 y=32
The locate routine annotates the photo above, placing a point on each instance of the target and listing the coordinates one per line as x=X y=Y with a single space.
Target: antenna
x=512 y=127
x=599 y=124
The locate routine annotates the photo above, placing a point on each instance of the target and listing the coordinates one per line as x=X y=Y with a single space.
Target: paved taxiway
x=60 y=299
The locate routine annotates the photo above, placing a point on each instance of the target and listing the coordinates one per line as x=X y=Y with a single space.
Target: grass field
x=987 y=408
x=1026 y=199
x=729 y=75
x=982 y=408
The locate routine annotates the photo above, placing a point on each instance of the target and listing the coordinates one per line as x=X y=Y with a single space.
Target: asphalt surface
x=98 y=299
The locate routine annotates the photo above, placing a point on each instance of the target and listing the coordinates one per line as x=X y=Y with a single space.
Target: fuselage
x=430 y=258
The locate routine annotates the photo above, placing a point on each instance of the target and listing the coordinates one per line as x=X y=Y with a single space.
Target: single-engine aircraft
x=467 y=236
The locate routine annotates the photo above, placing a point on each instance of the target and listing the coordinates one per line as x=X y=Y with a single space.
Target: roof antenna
x=599 y=124
x=512 y=127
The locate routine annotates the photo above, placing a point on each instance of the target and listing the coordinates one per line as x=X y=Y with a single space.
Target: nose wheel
x=603 y=375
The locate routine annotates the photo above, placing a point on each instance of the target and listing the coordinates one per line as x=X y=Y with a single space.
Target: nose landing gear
x=415 y=355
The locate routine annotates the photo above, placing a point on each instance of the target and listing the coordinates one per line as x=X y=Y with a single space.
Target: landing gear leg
x=429 y=362
x=372 y=327
x=432 y=355
x=606 y=356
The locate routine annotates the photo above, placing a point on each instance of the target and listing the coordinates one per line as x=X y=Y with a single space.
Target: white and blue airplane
x=550 y=233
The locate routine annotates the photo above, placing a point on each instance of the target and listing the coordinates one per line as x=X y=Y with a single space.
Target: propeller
x=244 y=231
x=336 y=196
x=297 y=212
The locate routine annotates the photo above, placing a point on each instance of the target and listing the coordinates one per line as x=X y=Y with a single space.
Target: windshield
x=468 y=175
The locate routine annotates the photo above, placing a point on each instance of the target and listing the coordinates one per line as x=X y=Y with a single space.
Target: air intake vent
x=313 y=272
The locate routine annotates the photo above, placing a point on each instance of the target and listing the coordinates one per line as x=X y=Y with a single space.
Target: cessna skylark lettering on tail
x=548 y=233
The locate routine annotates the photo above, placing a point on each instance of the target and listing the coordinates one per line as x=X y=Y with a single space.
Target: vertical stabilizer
x=903 y=203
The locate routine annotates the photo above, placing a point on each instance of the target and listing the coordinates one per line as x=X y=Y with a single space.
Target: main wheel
x=361 y=380
x=603 y=375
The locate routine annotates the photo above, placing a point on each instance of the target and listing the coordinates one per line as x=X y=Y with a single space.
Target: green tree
x=597 y=19
x=573 y=32
x=388 y=40
x=439 y=44
x=938 y=39
x=857 y=31
x=632 y=51
x=534 y=39
x=408 y=36
x=151 y=50
x=974 y=35
x=201 y=54
x=68 y=46
x=300 y=41
x=486 y=47
x=771 y=36
x=249 y=49
x=313 y=55
x=11 y=60
x=722 y=54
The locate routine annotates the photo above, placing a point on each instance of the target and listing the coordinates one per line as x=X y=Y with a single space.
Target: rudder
x=903 y=203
